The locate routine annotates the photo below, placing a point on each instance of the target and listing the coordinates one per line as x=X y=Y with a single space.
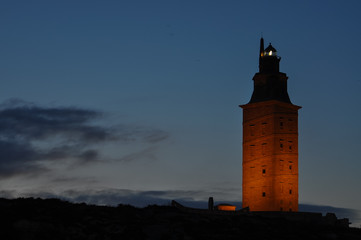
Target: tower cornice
x=269 y=103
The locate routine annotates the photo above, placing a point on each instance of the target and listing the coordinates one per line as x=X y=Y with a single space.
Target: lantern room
x=268 y=61
x=270 y=51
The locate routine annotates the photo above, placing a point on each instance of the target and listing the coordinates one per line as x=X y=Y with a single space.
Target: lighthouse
x=270 y=140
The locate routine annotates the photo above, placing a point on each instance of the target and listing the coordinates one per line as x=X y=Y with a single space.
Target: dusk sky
x=137 y=101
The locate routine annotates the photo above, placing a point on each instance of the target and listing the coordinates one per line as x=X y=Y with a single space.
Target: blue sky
x=143 y=95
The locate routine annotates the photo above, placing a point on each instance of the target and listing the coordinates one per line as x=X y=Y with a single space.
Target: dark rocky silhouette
x=55 y=219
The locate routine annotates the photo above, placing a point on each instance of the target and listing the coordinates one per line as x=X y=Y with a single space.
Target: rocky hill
x=55 y=219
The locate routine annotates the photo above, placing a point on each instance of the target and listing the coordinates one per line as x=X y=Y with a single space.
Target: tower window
x=290 y=146
x=290 y=191
x=263 y=171
x=290 y=166
x=263 y=194
x=252 y=129
x=281 y=125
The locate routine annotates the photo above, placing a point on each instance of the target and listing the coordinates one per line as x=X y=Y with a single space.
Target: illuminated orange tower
x=270 y=140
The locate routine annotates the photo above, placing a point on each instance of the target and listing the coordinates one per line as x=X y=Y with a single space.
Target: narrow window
x=281 y=144
x=290 y=166
x=252 y=129
x=290 y=191
x=290 y=146
x=281 y=125
x=263 y=194
x=263 y=171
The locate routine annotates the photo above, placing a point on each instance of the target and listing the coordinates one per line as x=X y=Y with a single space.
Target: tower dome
x=270 y=51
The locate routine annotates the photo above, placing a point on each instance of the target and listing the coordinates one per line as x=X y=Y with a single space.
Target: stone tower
x=270 y=140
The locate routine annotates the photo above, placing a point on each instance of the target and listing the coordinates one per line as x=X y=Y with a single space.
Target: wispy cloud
x=148 y=153
x=31 y=135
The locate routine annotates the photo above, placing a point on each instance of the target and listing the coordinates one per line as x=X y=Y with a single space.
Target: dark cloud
x=29 y=122
x=31 y=134
x=7 y=193
x=18 y=158
x=88 y=156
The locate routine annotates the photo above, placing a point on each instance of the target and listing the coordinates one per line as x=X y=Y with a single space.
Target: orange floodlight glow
x=226 y=207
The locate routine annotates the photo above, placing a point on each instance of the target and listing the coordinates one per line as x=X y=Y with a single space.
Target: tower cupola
x=270 y=51
x=269 y=82
x=269 y=62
